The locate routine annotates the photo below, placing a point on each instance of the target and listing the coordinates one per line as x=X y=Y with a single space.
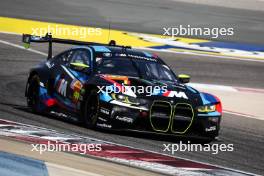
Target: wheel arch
x=31 y=74
x=42 y=74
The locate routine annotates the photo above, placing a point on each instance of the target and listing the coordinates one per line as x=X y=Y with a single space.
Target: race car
x=116 y=87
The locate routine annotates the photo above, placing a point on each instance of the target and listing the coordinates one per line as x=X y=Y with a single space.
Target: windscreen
x=150 y=70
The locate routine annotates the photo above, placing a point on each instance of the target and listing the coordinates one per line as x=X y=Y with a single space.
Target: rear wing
x=27 y=39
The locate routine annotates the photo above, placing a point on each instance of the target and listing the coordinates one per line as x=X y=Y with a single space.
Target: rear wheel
x=91 y=109
x=33 y=92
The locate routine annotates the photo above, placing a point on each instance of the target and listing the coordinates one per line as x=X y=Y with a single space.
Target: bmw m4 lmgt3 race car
x=117 y=87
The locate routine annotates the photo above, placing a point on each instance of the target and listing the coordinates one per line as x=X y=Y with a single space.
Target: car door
x=69 y=79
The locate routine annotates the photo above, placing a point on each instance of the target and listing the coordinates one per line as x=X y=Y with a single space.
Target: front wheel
x=91 y=109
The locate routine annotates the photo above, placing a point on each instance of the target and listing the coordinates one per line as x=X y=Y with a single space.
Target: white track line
x=21 y=47
x=240 y=114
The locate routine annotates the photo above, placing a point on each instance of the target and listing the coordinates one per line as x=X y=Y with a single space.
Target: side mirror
x=184 y=78
x=80 y=67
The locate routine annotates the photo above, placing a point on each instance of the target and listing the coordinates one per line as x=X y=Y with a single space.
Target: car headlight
x=207 y=108
x=125 y=99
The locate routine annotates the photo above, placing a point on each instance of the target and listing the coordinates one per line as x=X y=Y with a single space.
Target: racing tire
x=33 y=94
x=91 y=108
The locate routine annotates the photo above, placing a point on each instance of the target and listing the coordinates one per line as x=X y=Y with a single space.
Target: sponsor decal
x=105 y=111
x=212 y=128
x=125 y=119
x=64 y=116
x=175 y=94
x=104 y=125
x=59 y=114
x=136 y=57
x=76 y=96
x=76 y=85
x=107 y=54
x=63 y=87
x=114 y=78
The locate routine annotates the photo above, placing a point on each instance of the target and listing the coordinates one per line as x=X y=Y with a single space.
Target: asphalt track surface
x=148 y=16
x=247 y=135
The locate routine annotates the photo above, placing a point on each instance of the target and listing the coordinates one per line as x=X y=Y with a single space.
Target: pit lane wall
x=137 y=40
